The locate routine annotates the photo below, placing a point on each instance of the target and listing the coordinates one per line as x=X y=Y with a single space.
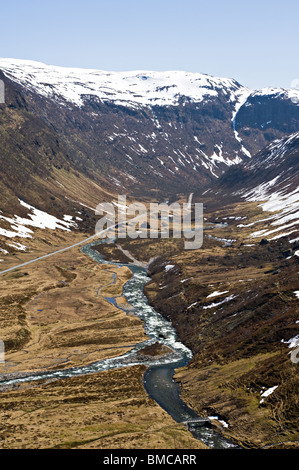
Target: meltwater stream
x=158 y=379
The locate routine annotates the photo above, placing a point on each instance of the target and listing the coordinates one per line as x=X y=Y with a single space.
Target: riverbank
x=53 y=317
x=107 y=410
x=234 y=306
x=70 y=325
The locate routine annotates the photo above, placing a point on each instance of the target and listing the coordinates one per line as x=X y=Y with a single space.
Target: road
x=48 y=255
x=86 y=240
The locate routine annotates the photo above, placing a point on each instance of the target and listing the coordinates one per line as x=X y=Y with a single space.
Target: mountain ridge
x=90 y=89
x=58 y=156
x=137 y=90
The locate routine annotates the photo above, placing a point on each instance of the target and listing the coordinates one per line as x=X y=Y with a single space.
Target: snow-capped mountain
x=164 y=139
x=172 y=126
x=272 y=178
x=132 y=89
x=70 y=137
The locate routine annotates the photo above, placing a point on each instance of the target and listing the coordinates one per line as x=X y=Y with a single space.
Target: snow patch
x=216 y=293
x=18 y=246
x=168 y=267
x=267 y=392
x=19 y=226
x=212 y=305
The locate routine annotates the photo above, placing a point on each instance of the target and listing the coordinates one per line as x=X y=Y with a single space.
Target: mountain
x=266 y=116
x=147 y=131
x=271 y=177
x=71 y=138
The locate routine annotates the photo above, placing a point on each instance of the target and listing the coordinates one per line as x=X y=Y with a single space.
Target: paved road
x=48 y=255
x=86 y=240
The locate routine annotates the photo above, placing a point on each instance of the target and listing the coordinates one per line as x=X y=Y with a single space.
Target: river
x=158 y=379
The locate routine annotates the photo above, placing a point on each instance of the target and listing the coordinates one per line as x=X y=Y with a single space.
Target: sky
x=255 y=42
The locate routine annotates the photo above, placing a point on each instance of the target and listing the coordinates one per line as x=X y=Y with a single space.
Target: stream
x=158 y=379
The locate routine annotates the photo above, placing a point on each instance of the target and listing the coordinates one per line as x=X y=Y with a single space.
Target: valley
x=71 y=139
x=233 y=306
x=53 y=317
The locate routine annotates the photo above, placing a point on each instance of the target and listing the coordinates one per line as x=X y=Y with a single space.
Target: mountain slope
x=151 y=130
x=71 y=138
x=40 y=185
x=267 y=115
x=272 y=177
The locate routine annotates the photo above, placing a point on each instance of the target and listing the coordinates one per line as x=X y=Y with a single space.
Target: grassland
x=108 y=410
x=239 y=337
x=54 y=316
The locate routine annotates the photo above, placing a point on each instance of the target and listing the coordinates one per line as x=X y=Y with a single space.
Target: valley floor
x=234 y=304
x=53 y=316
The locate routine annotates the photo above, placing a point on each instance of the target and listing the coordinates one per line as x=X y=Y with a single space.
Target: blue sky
x=255 y=42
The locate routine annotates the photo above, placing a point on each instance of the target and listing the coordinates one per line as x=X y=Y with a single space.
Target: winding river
x=158 y=379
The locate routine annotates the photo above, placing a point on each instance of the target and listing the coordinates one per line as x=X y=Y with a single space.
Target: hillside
x=151 y=131
x=72 y=138
x=234 y=302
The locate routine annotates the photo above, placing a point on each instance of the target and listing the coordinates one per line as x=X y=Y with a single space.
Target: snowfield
x=73 y=87
x=131 y=88
x=283 y=202
x=19 y=226
x=286 y=207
